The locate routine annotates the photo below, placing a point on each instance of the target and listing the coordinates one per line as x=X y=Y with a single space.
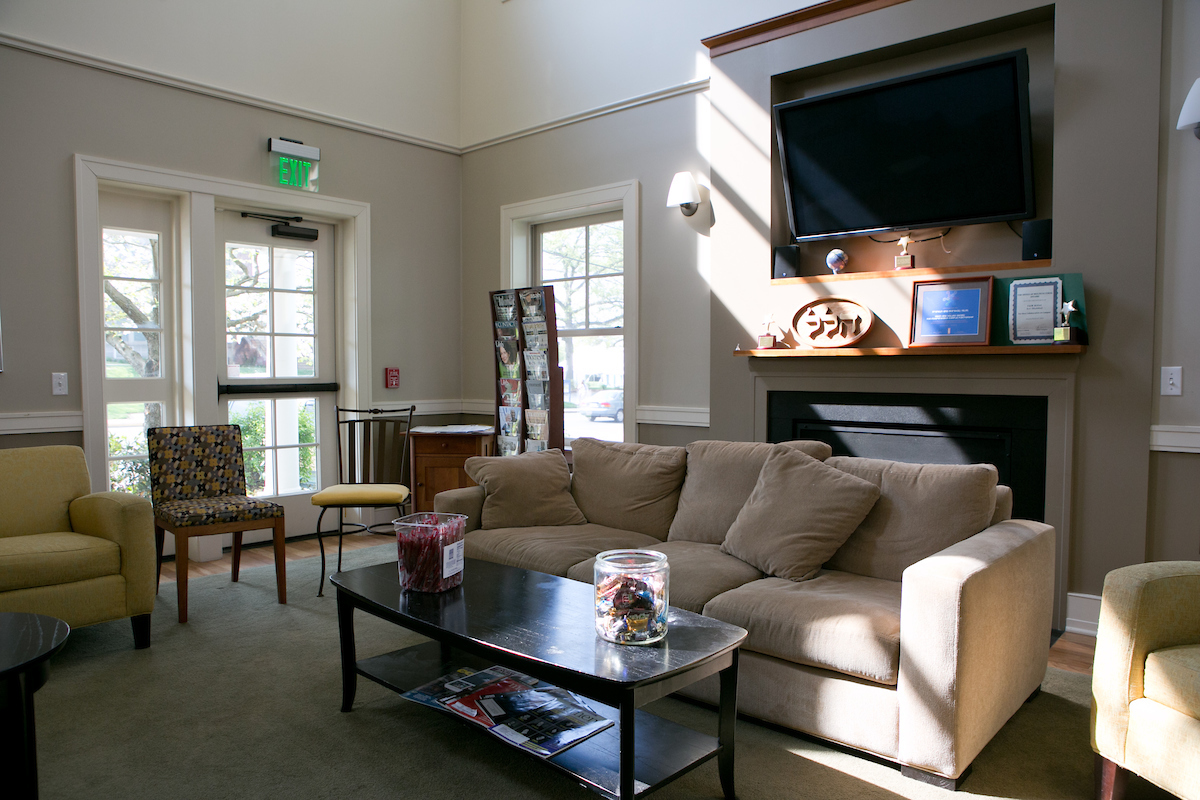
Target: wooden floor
x=1072 y=651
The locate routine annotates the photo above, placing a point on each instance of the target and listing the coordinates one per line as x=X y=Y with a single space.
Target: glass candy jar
x=632 y=589
x=430 y=550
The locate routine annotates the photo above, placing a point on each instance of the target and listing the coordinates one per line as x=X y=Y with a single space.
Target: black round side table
x=26 y=643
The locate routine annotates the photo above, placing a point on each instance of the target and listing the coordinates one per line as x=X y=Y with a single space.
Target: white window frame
x=517 y=221
x=199 y=196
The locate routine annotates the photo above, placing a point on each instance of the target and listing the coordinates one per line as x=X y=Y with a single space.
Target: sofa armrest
x=1145 y=607
x=467 y=501
x=975 y=624
x=127 y=520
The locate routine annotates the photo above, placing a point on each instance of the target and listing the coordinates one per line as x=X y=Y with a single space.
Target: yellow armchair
x=69 y=553
x=1146 y=679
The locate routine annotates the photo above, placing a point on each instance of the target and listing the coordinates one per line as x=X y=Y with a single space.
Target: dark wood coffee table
x=544 y=626
x=26 y=643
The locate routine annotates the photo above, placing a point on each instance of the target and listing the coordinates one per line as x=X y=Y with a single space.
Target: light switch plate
x=58 y=382
x=1172 y=381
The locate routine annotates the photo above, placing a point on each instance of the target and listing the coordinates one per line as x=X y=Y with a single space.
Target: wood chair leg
x=280 y=561
x=181 y=573
x=141 y=631
x=1111 y=779
x=237 y=555
x=159 y=535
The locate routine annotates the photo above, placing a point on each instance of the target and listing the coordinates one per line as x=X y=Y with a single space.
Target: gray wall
x=648 y=144
x=1106 y=57
x=53 y=109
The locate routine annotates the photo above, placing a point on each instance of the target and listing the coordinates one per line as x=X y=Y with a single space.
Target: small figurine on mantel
x=772 y=333
x=904 y=260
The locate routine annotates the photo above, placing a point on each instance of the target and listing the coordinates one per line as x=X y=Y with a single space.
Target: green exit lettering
x=294 y=172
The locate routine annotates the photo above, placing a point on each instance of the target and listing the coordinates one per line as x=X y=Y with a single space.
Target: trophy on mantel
x=1064 y=333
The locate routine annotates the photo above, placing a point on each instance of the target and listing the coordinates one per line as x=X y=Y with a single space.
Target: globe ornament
x=837 y=261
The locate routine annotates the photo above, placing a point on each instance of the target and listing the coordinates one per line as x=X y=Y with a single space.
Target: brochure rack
x=529 y=382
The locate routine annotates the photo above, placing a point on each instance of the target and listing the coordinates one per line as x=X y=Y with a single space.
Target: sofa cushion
x=798 y=515
x=528 y=489
x=48 y=559
x=553 y=549
x=1173 y=678
x=922 y=509
x=838 y=621
x=699 y=572
x=634 y=487
x=720 y=477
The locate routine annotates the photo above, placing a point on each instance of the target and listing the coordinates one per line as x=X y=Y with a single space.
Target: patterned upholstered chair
x=198 y=487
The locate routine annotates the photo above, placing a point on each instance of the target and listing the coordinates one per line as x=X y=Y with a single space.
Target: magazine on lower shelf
x=530 y=714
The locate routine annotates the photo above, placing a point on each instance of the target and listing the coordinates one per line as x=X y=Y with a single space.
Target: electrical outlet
x=1172 y=380
x=58 y=382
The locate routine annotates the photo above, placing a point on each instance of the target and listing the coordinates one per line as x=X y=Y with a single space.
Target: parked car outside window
x=609 y=403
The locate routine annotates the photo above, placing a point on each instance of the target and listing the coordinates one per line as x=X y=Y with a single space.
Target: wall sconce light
x=1189 y=115
x=686 y=194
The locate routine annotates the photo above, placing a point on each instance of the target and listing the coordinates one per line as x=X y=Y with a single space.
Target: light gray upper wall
x=53 y=110
x=648 y=144
x=1105 y=180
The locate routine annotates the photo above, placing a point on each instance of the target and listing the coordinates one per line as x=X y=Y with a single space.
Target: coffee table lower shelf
x=665 y=750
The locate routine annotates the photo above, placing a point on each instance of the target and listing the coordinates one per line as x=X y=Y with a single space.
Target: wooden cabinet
x=437 y=461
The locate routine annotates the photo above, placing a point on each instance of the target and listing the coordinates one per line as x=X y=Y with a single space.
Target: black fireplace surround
x=1006 y=431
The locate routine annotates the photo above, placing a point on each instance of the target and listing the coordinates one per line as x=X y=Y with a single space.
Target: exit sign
x=298 y=173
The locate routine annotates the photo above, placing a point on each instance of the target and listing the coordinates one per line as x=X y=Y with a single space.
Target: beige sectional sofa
x=894 y=608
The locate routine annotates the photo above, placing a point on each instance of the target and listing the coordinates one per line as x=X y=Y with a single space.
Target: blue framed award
x=951 y=311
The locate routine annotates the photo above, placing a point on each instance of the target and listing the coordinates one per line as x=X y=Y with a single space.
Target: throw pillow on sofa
x=799 y=514
x=632 y=487
x=922 y=509
x=720 y=478
x=525 y=490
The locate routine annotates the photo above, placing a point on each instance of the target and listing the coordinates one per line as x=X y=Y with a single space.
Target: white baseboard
x=1083 y=613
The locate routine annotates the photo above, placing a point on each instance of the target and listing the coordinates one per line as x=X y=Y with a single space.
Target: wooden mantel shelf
x=955 y=350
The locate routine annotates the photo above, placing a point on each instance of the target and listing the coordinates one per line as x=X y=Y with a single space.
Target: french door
x=275 y=338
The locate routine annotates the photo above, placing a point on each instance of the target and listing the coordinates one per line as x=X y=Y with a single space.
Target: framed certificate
x=1033 y=309
x=951 y=311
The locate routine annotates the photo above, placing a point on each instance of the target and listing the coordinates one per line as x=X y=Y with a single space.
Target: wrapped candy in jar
x=632 y=588
x=430 y=550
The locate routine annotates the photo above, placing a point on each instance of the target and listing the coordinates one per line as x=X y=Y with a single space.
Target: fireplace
x=1004 y=430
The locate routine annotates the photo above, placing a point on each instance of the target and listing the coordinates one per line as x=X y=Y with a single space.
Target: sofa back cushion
x=39 y=484
x=720 y=477
x=922 y=509
x=525 y=490
x=633 y=487
x=799 y=514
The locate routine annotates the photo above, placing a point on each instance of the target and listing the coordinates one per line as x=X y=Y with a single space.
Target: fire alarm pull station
x=391 y=377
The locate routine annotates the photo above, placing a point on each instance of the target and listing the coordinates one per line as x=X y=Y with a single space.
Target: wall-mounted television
x=946 y=147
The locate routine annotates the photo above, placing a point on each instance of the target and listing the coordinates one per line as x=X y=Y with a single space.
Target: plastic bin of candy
x=430 y=547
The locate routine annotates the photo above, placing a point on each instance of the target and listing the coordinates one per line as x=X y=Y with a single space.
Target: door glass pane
x=606 y=302
x=593 y=386
x=293 y=312
x=246 y=355
x=247 y=310
x=293 y=269
x=246 y=265
x=128 y=468
x=254 y=418
x=294 y=357
x=132 y=354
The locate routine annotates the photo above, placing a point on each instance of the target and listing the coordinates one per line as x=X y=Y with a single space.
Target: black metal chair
x=372 y=454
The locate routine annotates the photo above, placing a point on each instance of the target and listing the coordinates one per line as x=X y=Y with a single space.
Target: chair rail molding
x=40 y=422
x=1175 y=438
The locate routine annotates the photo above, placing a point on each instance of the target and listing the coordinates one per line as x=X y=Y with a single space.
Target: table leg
x=18 y=737
x=727 y=720
x=625 y=788
x=346 y=635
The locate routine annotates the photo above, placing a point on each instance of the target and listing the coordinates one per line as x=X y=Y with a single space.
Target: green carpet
x=242 y=702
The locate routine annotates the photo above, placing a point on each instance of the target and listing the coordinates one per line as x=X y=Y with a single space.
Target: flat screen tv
x=946 y=147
